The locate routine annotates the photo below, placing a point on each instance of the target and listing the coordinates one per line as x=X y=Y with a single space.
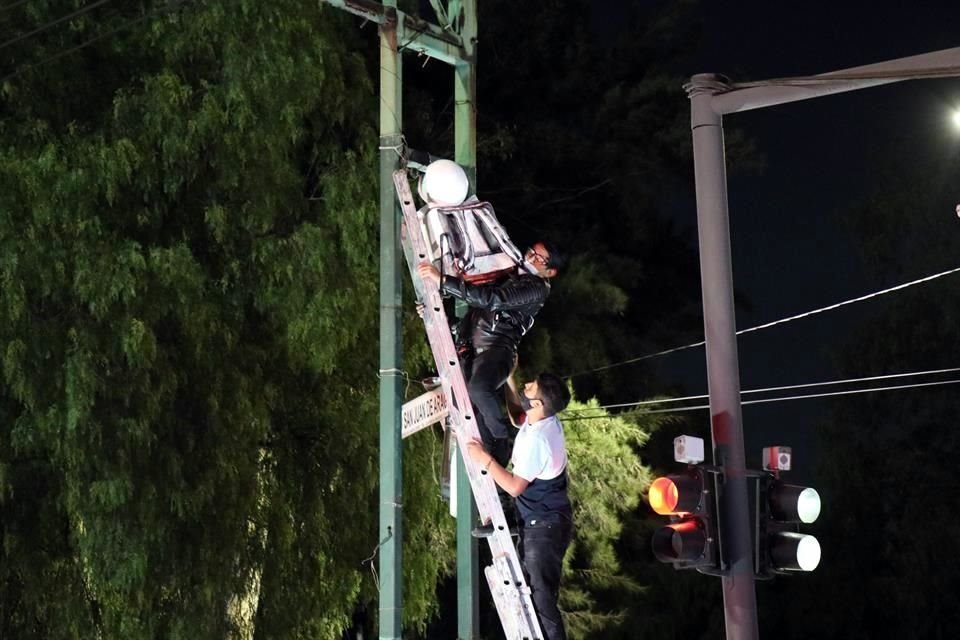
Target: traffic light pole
x=723 y=378
x=710 y=99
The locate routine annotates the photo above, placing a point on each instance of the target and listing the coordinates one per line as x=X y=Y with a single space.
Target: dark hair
x=558 y=259
x=553 y=392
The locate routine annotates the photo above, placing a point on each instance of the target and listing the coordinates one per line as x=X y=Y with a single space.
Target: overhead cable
x=785 y=398
x=805 y=385
x=771 y=324
x=69 y=16
x=173 y=4
x=13 y=5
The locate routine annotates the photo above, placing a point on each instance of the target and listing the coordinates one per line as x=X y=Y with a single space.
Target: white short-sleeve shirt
x=540 y=450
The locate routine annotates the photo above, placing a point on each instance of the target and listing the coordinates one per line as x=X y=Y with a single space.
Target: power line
x=13 y=5
x=805 y=385
x=70 y=16
x=787 y=398
x=173 y=4
x=887 y=376
x=774 y=323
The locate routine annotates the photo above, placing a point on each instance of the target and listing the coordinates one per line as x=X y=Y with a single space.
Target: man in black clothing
x=500 y=315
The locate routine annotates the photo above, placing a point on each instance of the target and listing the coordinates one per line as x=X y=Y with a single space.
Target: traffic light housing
x=781 y=548
x=690 y=540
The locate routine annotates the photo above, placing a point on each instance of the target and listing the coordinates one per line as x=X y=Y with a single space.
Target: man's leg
x=488 y=373
x=542 y=550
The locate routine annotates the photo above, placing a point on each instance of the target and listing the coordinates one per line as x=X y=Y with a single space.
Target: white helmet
x=445 y=184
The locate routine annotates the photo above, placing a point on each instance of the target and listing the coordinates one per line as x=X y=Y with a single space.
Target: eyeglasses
x=536 y=255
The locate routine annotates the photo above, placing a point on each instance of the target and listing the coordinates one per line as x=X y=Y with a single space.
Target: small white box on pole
x=688 y=449
x=777 y=458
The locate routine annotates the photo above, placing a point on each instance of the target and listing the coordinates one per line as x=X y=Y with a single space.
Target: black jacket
x=500 y=313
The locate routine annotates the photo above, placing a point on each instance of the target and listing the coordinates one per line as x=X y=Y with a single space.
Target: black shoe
x=487 y=530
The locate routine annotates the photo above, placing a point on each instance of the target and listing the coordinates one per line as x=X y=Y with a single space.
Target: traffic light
x=781 y=547
x=690 y=540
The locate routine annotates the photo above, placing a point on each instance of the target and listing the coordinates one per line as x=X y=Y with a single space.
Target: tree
x=607 y=479
x=188 y=291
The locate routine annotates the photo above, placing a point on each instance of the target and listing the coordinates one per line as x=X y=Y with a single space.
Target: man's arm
x=507 y=480
x=512 y=397
x=512 y=294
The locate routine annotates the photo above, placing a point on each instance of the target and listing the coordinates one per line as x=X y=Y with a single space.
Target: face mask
x=525 y=403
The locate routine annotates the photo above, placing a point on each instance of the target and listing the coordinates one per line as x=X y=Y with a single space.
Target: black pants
x=542 y=547
x=486 y=373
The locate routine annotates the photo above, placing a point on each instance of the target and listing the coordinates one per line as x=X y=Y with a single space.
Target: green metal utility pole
x=391 y=362
x=465 y=154
x=455 y=44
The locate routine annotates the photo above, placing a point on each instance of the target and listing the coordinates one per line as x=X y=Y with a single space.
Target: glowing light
x=792 y=503
x=808 y=553
x=664 y=496
x=956 y=118
x=795 y=551
x=808 y=505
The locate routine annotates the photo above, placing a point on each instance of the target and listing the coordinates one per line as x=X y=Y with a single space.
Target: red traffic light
x=680 y=541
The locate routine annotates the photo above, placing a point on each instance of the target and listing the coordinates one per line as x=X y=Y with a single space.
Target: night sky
x=791 y=250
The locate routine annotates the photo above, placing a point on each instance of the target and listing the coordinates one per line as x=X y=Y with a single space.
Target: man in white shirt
x=538 y=481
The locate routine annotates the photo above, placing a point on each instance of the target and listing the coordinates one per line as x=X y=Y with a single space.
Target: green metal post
x=465 y=154
x=468 y=567
x=391 y=388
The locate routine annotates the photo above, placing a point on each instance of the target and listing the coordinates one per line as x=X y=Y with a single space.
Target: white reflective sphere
x=445 y=183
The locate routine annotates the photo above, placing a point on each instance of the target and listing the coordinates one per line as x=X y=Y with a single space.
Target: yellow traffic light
x=677 y=494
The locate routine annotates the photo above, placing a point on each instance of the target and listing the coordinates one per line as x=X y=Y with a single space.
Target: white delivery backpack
x=462 y=233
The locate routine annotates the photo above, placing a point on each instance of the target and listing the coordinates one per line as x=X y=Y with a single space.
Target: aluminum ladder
x=505 y=576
